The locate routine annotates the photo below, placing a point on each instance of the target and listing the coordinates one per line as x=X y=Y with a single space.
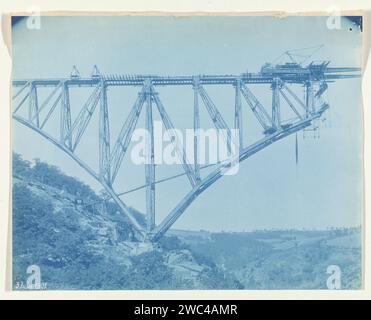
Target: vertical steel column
x=104 y=137
x=65 y=121
x=150 y=160
x=30 y=107
x=196 y=127
x=33 y=111
x=216 y=117
x=238 y=112
x=309 y=99
x=276 y=115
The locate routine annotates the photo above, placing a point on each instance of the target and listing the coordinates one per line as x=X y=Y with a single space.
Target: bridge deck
x=139 y=80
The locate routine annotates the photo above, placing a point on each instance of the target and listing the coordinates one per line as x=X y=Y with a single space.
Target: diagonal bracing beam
x=83 y=118
x=46 y=102
x=123 y=140
x=215 y=116
x=22 y=102
x=292 y=93
x=179 y=149
x=257 y=108
x=291 y=104
x=51 y=110
x=21 y=90
x=33 y=108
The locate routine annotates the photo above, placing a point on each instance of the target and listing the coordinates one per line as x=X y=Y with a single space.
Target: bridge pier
x=276 y=112
x=150 y=160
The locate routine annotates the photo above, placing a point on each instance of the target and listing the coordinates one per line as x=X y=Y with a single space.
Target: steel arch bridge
x=281 y=78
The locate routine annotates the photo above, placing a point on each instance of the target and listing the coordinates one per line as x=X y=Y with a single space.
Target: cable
x=145 y=185
x=292 y=53
x=163 y=180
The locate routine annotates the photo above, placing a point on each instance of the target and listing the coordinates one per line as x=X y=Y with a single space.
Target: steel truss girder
x=299 y=76
x=109 y=163
x=22 y=101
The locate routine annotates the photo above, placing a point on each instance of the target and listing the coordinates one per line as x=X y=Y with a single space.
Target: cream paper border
x=184 y=7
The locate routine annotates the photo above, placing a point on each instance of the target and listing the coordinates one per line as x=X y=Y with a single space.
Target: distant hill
x=282 y=259
x=80 y=241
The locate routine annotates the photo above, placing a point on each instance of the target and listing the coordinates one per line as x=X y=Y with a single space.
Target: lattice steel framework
x=315 y=78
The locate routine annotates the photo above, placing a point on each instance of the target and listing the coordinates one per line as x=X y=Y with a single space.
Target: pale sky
x=270 y=190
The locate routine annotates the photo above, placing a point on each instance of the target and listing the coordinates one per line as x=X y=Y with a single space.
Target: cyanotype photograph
x=187 y=152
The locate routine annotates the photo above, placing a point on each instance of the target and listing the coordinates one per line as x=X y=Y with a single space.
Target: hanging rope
x=296 y=149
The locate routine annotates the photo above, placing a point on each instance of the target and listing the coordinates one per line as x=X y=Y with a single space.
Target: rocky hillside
x=80 y=241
